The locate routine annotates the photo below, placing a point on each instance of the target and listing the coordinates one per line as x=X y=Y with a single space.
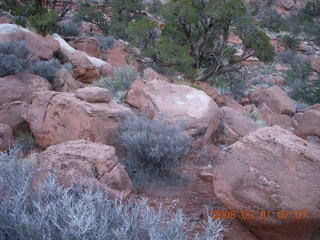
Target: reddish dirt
x=193 y=196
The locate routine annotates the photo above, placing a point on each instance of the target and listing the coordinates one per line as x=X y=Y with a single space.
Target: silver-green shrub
x=47 y=69
x=13 y=58
x=69 y=29
x=152 y=146
x=107 y=43
x=51 y=212
x=120 y=83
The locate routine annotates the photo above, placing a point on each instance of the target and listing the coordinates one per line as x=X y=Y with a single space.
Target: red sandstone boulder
x=233 y=125
x=228 y=101
x=59 y=117
x=150 y=74
x=6 y=137
x=208 y=89
x=94 y=94
x=176 y=104
x=275 y=99
x=273 y=119
x=39 y=46
x=308 y=123
x=16 y=92
x=271 y=170
x=83 y=68
x=64 y=82
x=20 y=87
x=83 y=162
x=11 y=113
x=89 y=45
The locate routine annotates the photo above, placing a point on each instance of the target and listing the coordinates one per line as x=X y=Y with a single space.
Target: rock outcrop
x=59 y=117
x=272 y=170
x=89 y=45
x=41 y=47
x=176 y=104
x=83 y=69
x=16 y=92
x=233 y=125
x=275 y=99
x=308 y=123
x=85 y=163
x=64 y=82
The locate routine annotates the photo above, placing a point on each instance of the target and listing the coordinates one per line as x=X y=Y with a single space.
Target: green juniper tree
x=194 y=39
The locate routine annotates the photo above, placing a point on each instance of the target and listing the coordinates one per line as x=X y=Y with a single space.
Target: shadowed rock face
x=176 y=103
x=58 y=117
x=272 y=169
x=83 y=162
x=15 y=93
x=6 y=137
x=233 y=126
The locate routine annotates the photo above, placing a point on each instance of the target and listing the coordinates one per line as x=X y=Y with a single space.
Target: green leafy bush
x=194 y=38
x=34 y=12
x=260 y=42
x=303 y=89
x=312 y=8
x=52 y=212
x=120 y=83
x=44 y=23
x=13 y=58
x=121 y=12
x=152 y=146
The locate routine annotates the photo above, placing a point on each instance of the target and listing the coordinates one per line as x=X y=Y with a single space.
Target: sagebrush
x=107 y=43
x=47 y=69
x=152 y=146
x=51 y=212
x=13 y=57
x=120 y=83
x=68 y=29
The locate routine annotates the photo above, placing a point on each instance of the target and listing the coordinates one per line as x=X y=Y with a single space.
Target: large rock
x=117 y=57
x=208 y=89
x=11 y=113
x=273 y=119
x=83 y=68
x=275 y=99
x=233 y=125
x=89 y=45
x=308 y=123
x=94 y=94
x=64 y=82
x=176 y=104
x=150 y=74
x=15 y=92
x=86 y=163
x=227 y=101
x=20 y=87
x=41 y=47
x=59 y=117
x=6 y=137
x=273 y=170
